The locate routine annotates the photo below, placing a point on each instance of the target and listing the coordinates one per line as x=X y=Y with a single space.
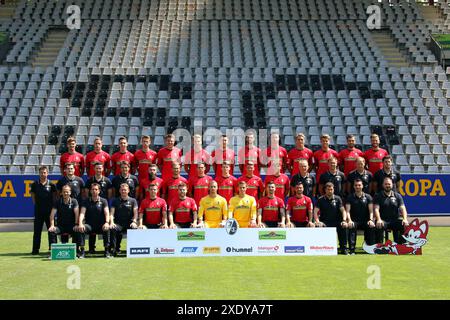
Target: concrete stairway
x=48 y=52
x=389 y=49
x=7 y=10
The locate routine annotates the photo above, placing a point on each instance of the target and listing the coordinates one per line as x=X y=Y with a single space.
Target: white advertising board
x=239 y=242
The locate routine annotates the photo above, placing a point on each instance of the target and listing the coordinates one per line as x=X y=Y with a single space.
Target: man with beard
x=299 y=210
x=153 y=211
x=151 y=179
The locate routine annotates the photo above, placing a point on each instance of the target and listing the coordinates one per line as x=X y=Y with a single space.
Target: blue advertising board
x=425 y=194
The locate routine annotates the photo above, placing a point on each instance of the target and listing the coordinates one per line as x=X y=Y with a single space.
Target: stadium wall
x=424 y=194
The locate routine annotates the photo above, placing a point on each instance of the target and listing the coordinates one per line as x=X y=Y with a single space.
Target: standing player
x=222 y=154
x=124 y=215
x=359 y=206
x=96 y=212
x=123 y=155
x=144 y=158
x=182 y=210
x=321 y=156
x=195 y=156
x=334 y=176
x=243 y=207
x=98 y=156
x=360 y=173
x=169 y=188
x=226 y=182
x=75 y=183
x=106 y=188
x=390 y=212
x=72 y=156
x=332 y=214
x=167 y=155
x=250 y=153
x=387 y=171
x=127 y=178
x=153 y=211
x=348 y=157
x=151 y=179
x=67 y=211
x=271 y=211
x=275 y=154
x=255 y=186
x=198 y=184
x=374 y=156
x=281 y=181
x=213 y=210
x=43 y=194
x=306 y=179
x=299 y=153
x=299 y=210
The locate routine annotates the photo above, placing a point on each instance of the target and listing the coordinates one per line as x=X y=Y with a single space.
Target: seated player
x=226 y=182
x=213 y=209
x=153 y=210
x=94 y=219
x=299 y=209
x=182 y=210
x=67 y=212
x=243 y=207
x=124 y=215
x=198 y=184
x=271 y=211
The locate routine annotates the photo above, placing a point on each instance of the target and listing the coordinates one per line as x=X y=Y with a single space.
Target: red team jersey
x=170 y=187
x=270 y=208
x=93 y=157
x=217 y=158
x=279 y=154
x=374 y=159
x=192 y=158
x=282 y=184
x=76 y=158
x=321 y=161
x=146 y=183
x=117 y=159
x=227 y=186
x=245 y=154
x=299 y=208
x=295 y=155
x=183 y=210
x=254 y=186
x=153 y=210
x=142 y=161
x=348 y=158
x=164 y=159
x=198 y=187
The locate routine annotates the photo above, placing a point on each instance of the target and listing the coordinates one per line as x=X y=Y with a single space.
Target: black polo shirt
x=124 y=210
x=95 y=211
x=76 y=184
x=105 y=185
x=131 y=181
x=65 y=213
x=308 y=183
x=389 y=205
x=337 y=179
x=43 y=195
x=330 y=210
x=366 y=177
x=381 y=174
x=359 y=207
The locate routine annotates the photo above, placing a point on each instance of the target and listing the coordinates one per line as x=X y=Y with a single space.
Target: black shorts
x=183 y=225
x=152 y=226
x=271 y=224
x=299 y=224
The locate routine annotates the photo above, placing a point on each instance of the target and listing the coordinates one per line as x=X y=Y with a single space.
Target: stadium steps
x=7 y=10
x=389 y=49
x=433 y=14
x=49 y=49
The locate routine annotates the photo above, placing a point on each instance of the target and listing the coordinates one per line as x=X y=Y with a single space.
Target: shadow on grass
x=25 y=255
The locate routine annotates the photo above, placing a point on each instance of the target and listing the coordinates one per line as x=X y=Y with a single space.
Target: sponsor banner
x=63 y=251
x=219 y=242
x=424 y=194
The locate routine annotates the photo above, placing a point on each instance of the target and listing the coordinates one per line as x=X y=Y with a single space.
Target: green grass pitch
x=23 y=276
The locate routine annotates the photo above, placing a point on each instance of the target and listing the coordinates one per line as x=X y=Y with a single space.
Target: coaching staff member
x=332 y=214
x=96 y=213
x=390 y=212
x=43 y=193
x=75 y=183
x=359 y=206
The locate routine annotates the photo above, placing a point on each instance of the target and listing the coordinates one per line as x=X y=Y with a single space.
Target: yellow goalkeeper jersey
x=213 y=210
x=243 y=209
